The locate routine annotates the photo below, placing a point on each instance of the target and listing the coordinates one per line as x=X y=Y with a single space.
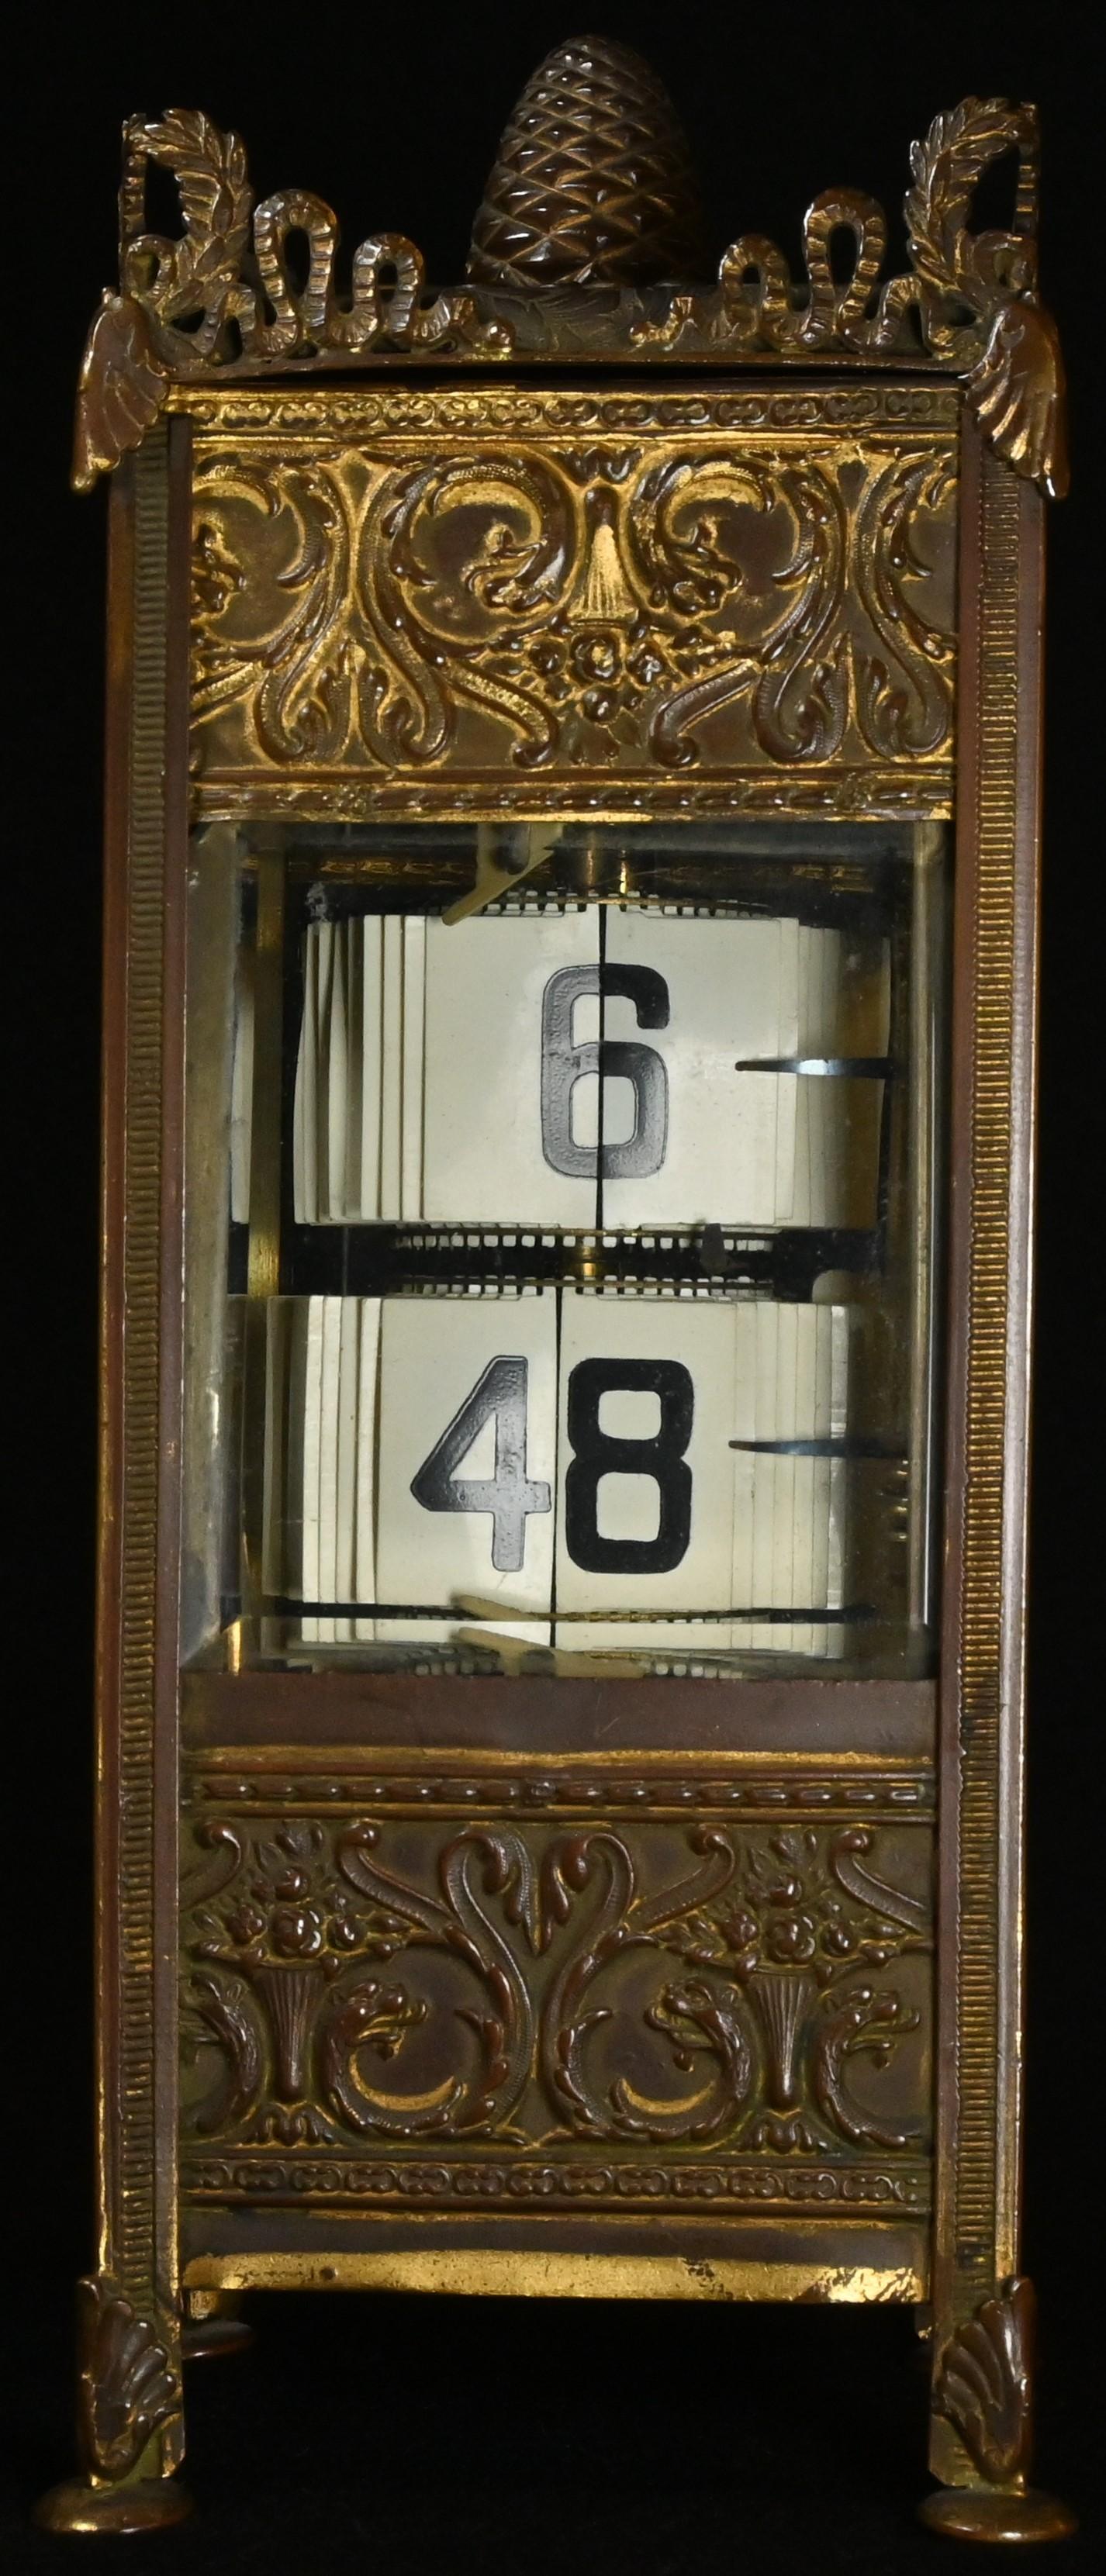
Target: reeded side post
x=981 y=2439
x=130 y=2421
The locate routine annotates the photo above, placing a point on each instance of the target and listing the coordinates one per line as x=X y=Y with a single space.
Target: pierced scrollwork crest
x=972 y=298
x=227 y=289
x=531 y=1984
x=227 y=298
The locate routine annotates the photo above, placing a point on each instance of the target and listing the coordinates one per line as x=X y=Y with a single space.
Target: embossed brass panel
x=549 y=2006
x=455 y=599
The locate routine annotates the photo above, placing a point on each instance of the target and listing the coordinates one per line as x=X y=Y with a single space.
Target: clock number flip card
x=596 y=1066
x=641 y=1466
x=467 y=1452
x=701 y=1472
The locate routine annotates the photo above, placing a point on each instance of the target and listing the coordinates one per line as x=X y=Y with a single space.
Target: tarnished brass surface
x=128 y=2328
x=136 y=343
x=979 y=2056
x=146 y=2504
x=475 y=2010
x=504 y=2008
x=991 y=1645
x=127 y=2144
x=450 y=601
x=129 y=2396
x=986 y=2514
x=979 y=2127
x=672 y=1747
x=983 y=2385
x=223 y=300
x=593 y=183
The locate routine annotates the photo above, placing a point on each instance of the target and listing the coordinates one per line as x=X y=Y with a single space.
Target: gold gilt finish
x=986 y=2183
x=593 y=184
x=475 y=2019
x=979 y=2118
x=969 y=305
x=563 y=2276
x=1013 y=369
x=137 y=2246
x=400 y=608
x=129 y=2419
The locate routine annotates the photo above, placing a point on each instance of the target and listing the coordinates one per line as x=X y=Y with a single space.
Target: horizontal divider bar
x=778 y=1720
x=508 y=1614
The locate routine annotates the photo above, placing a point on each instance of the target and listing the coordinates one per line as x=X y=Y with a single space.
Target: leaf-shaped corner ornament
x=1017 y=391
x=122 y=387
x=1015 y=384
x=945 y=167
x=210 y=172
x=198 y=278
x=984 y=2383
x=133 y=351
x=129 y=2388
x=225 y=291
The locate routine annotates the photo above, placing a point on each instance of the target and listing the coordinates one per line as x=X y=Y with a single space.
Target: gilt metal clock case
x=573 y=781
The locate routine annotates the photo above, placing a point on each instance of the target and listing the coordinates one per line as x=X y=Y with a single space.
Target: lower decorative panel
x=554 y=1996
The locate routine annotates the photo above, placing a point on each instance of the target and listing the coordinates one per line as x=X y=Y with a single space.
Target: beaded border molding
x=228 y=300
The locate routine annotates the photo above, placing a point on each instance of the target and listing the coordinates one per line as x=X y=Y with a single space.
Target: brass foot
x=984 y=2513
x=151 y=2504
x=211 y=2336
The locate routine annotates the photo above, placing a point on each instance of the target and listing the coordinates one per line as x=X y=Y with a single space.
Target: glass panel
x=560 y=1244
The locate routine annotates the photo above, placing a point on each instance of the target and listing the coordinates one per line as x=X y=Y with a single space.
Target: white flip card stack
x=578 y=1423
x=421 y=1090
x=319 y=1529
x=357 y=1140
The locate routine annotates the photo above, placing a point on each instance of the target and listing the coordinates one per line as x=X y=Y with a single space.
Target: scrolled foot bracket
x=129 y=2420
x=146 y=2504
x=983 y=2387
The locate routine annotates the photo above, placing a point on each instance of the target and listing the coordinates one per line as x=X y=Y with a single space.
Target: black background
x=543 y=2435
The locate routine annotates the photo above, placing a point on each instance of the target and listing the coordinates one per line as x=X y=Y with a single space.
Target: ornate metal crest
x=571 y=282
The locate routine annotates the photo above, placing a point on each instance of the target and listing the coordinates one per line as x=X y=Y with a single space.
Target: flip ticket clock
x=572 y=842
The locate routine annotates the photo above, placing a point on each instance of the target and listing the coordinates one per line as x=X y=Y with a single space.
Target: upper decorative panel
x=430 y=599
x=581 y=252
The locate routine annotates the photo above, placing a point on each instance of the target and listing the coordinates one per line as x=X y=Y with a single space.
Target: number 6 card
x=597 y=1066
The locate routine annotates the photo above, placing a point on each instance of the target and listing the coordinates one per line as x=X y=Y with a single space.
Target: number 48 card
x=609 y=1471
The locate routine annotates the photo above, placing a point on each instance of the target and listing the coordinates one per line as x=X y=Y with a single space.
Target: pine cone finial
x=593 y=184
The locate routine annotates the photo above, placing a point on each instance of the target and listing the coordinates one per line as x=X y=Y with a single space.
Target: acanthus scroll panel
x=401 y=604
